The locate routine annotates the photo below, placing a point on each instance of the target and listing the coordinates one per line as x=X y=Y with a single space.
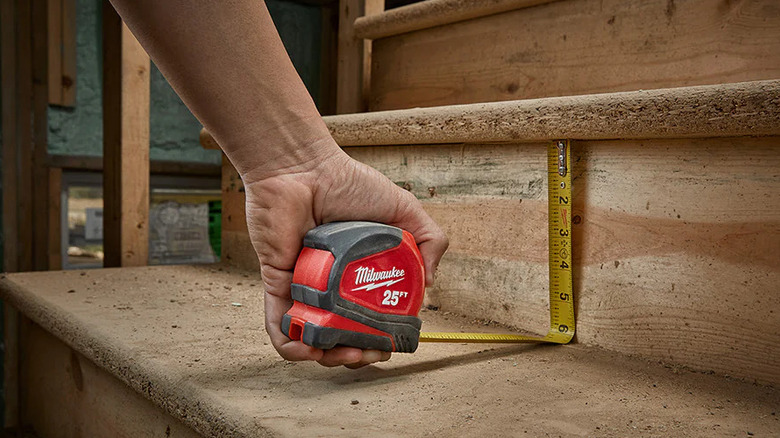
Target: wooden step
x=565 y=48
x=725 y=110
x=180 y=351
x=676 y=202
x=432 y=13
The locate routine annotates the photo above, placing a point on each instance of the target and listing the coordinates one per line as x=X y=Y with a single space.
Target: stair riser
x=578 y=47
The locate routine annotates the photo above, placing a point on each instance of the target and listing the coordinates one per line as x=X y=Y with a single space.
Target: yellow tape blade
x=559 y=201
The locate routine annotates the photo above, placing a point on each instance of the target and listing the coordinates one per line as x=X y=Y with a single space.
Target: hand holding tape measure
x=361 y=284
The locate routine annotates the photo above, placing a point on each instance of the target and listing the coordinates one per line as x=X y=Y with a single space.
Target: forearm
x=226 y=61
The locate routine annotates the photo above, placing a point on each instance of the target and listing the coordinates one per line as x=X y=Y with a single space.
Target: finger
x=340 y=356
x=432 y=252
x=276 y=281
x=369 y=357
x=296 y=350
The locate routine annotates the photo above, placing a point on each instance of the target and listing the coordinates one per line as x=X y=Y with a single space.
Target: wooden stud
x=373 y=7
x=55 y=219
x=40 y=97
x=125 y=144
x=11 y=366
x=54 y=19
x=10 y=175
x=349 y=80
x=24 y=133
x=68 y=69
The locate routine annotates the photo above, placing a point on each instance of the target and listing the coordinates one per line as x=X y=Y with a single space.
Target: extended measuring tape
x=361 y=284
x=559 y=201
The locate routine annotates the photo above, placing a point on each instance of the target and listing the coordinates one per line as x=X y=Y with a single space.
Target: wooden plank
x=237 y=250
x=10 y=366
x=156 y=167
x=55 y=219
x=68 y=395
x=125 y=145
x=55 y=51
x=674 y=242
x=24 y=133
x=578 y=47
x=68 y=80
x=372 y=8
x=349 y=80
x=432 y=13
x=10 y=149
x=726 y=110
x=40 y=95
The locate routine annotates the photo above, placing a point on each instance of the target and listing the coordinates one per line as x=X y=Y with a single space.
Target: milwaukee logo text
x=371 y=276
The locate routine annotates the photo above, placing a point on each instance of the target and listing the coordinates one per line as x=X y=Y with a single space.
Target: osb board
x=675 y=249
x=172 y=334
x=578 y=47
x=66 y=395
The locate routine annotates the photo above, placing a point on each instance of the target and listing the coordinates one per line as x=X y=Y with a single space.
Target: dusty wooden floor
x=179 y=336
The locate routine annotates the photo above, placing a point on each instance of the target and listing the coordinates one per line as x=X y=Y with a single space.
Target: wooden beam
x=68 y=69
x=24 y=132
x=40 y=97
x=125 y=144
x=55 y=220
x=54 y=19
x=372 y=7
x=156 y=167
x=349 y=80
x=11 y=366
x=10 y=152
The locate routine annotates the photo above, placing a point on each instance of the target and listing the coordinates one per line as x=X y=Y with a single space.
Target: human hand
x=282 y=206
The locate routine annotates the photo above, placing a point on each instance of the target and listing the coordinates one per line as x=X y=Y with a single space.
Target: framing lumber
x=10 y=146
x=568 y=48
x=432 y=13
x=24 y=132
x=156 y=167
x=728 y=110
x=54 y=20
x=125 y=144
x=55 y=219
x=68 y=59
x=349 y=78
x=40 y=98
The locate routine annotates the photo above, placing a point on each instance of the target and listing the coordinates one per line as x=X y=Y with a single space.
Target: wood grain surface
x=578 y=47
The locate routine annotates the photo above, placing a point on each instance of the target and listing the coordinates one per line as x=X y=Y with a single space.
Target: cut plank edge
x=433 y=13
x=707 y=111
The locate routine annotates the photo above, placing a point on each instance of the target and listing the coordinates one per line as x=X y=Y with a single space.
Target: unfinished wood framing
x=68 y=395
x=126 y=145
x=432 y=13
x=54 y=209
x=24 y=134
x=10 y=147
x=567 y=48
x=725 y=110
x=349 y=78
x=40 y=98
x=61 y=19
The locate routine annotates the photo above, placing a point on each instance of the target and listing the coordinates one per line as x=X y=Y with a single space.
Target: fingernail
x=372 y=356
x=385 y=356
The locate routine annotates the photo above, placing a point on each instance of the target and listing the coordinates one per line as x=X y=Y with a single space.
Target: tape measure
x=361 y=284
x=559 y=201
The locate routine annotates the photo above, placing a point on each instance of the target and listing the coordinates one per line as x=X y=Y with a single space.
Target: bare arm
x=226 y=61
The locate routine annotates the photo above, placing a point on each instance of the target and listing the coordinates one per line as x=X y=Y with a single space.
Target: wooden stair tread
x=431 y=13
x=207 y=362
x=726 y=110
